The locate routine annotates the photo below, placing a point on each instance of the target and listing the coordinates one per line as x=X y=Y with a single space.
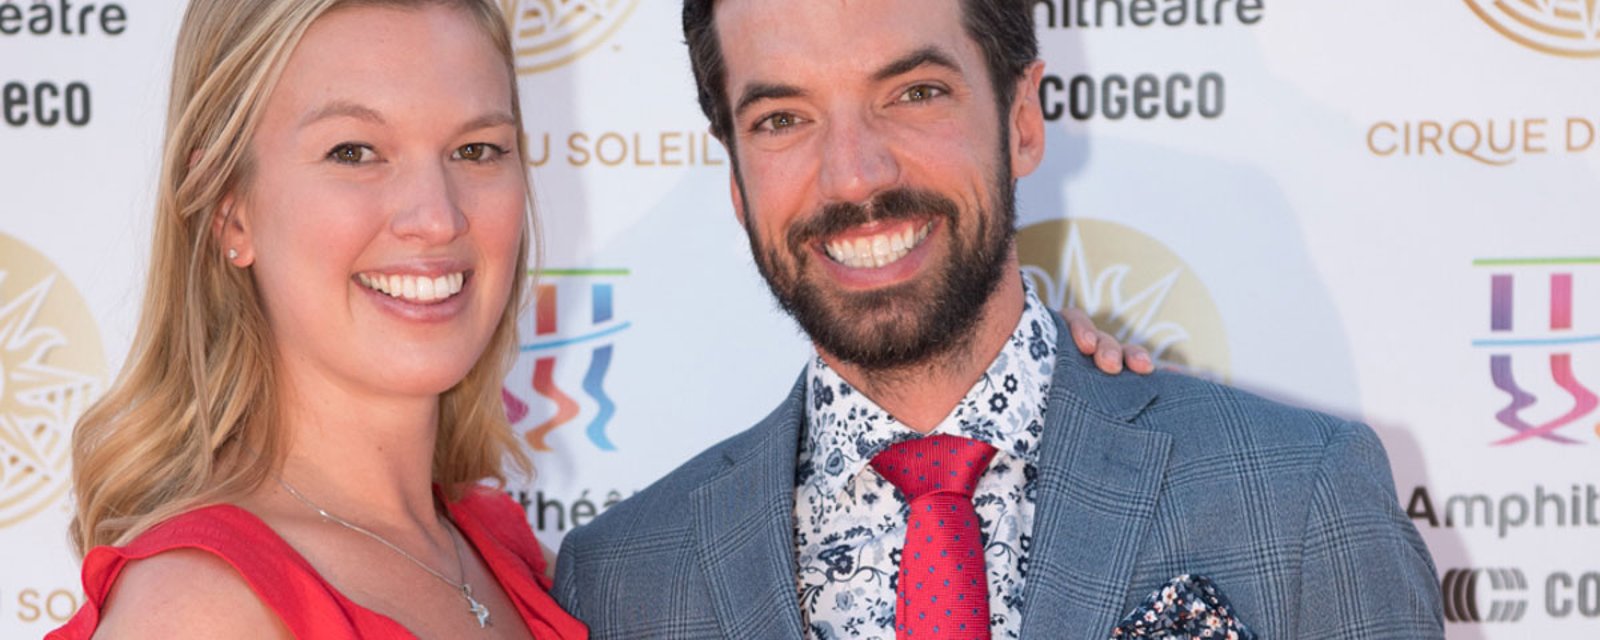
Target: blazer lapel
x=1099 y=478
x=744 y=522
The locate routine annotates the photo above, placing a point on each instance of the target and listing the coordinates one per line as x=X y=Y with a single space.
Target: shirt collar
x=1004 y=408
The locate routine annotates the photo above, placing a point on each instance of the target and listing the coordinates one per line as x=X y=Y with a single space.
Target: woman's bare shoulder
x=186 y=593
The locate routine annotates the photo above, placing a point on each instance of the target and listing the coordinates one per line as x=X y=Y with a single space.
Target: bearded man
x=948 y=464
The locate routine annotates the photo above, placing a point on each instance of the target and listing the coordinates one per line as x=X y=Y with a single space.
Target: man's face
x=874 y=177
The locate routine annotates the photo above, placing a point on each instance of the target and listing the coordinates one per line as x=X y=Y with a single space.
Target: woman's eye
x=351 y=153
x=479 y=152
x=921 y=92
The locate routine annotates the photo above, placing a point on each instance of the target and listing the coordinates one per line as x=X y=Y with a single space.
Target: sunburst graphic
x=1132 y=285
x=1559 y=27
x=50 y=371
x=549 y=33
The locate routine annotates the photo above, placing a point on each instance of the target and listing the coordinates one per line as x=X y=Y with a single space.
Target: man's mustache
x=888 y=206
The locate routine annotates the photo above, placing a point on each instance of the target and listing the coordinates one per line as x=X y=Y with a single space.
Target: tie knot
x=934 y=464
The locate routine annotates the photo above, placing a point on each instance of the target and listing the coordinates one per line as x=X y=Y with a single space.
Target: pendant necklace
x=473 y=606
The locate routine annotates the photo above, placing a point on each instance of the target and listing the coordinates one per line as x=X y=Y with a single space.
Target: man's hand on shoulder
x=1109 y=355
x=186 y=593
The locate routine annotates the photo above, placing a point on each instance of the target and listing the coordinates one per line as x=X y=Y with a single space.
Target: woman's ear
x=230 y=227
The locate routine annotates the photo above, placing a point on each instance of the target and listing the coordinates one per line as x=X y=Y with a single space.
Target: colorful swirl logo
x=1558 y=27
x=1132 y=285
x=549 y=33
x=1553 y=343
x=51 y=369
x=575 y=328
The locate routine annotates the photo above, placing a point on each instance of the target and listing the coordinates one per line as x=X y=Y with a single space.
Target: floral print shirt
x=850 y=522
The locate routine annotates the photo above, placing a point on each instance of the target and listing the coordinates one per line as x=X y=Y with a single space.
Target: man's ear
x=230 y=227
x=1027 y=122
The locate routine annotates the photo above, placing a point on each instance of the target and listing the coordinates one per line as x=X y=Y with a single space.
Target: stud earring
x=233 y=254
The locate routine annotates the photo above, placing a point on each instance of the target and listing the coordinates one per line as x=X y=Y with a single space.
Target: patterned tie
x=943 y=587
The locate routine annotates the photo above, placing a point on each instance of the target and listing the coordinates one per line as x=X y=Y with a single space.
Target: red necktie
x=943 y=586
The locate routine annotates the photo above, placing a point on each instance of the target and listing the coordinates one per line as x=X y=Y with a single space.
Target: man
x=875 y=148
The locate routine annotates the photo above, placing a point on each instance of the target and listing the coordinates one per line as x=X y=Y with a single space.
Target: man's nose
x=857 y=161
x=428 y=209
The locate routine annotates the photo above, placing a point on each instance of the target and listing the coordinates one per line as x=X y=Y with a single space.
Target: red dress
x=308 y=605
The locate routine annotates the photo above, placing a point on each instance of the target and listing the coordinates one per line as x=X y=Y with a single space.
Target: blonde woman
x=298 y=444
x=295 y=445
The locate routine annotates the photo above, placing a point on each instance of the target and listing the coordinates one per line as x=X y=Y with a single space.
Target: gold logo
x=549 y=33
x=1134 y=287
x=1560 y=27
x=51 y=368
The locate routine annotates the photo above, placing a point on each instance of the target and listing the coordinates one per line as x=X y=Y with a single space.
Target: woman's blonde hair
x=192 y=418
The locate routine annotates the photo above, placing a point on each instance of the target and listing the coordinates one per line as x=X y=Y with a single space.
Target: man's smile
x=877 y=244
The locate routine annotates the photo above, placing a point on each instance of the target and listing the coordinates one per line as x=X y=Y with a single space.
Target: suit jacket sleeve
x=1367 y=573
x=566 y=587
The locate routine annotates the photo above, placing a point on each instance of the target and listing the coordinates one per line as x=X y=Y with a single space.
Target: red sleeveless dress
x=308 y=605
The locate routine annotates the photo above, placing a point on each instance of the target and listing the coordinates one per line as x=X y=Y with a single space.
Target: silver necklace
x=473 y=606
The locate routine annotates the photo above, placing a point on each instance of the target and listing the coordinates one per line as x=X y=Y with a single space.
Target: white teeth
x=877 y=251
x=414 y=288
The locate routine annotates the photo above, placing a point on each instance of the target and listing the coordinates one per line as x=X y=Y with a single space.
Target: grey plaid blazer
x=1291 y=513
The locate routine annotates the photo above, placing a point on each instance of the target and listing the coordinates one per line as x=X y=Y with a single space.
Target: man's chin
x=879 y=334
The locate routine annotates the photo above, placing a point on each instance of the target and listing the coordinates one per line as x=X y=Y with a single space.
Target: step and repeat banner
x=1384 y=210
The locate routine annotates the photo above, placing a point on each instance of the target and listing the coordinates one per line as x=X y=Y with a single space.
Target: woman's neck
x=362 y=457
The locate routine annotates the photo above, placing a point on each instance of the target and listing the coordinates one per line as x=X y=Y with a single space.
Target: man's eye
x=479 y=152
x=351 y=153
x=921 y=92
x=777 y=122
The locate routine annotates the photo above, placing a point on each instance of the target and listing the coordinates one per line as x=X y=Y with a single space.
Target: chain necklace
x=473 y=606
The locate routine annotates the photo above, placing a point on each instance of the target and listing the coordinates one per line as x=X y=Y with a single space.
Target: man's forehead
x=836 y=38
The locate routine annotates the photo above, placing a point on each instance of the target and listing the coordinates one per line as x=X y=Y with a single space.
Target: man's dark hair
x=1003 y=30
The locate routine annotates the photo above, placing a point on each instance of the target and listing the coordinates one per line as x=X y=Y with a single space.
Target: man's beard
x=907 y=324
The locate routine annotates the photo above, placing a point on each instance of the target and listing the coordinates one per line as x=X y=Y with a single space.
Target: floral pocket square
x=1187 y=608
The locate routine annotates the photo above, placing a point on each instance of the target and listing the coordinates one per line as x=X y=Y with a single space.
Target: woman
x=342 y=220
x=296 y=445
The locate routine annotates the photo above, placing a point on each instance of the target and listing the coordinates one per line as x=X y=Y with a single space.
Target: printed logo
x=1132 y=285
x=1538 y=287
x=549 y=33
x=575 y=325
x=51 y=368
x=1464 y=594
x=1560 y=27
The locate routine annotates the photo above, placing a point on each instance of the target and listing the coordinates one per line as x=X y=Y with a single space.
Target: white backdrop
x=1384 y=210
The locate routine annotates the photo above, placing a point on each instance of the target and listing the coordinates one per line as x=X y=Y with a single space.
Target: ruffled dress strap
x=308 y=605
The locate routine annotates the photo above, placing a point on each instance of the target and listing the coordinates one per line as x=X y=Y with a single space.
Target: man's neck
x=921 y=395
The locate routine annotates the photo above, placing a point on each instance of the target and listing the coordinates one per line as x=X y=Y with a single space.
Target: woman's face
x=386 y=202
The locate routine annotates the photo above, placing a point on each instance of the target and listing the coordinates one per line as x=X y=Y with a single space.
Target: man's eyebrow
x=909 y=62
x=765 y=91
x=341 y=108
x=930 y=55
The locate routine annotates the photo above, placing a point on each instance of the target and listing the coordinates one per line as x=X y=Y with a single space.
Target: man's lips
x=877 y=244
